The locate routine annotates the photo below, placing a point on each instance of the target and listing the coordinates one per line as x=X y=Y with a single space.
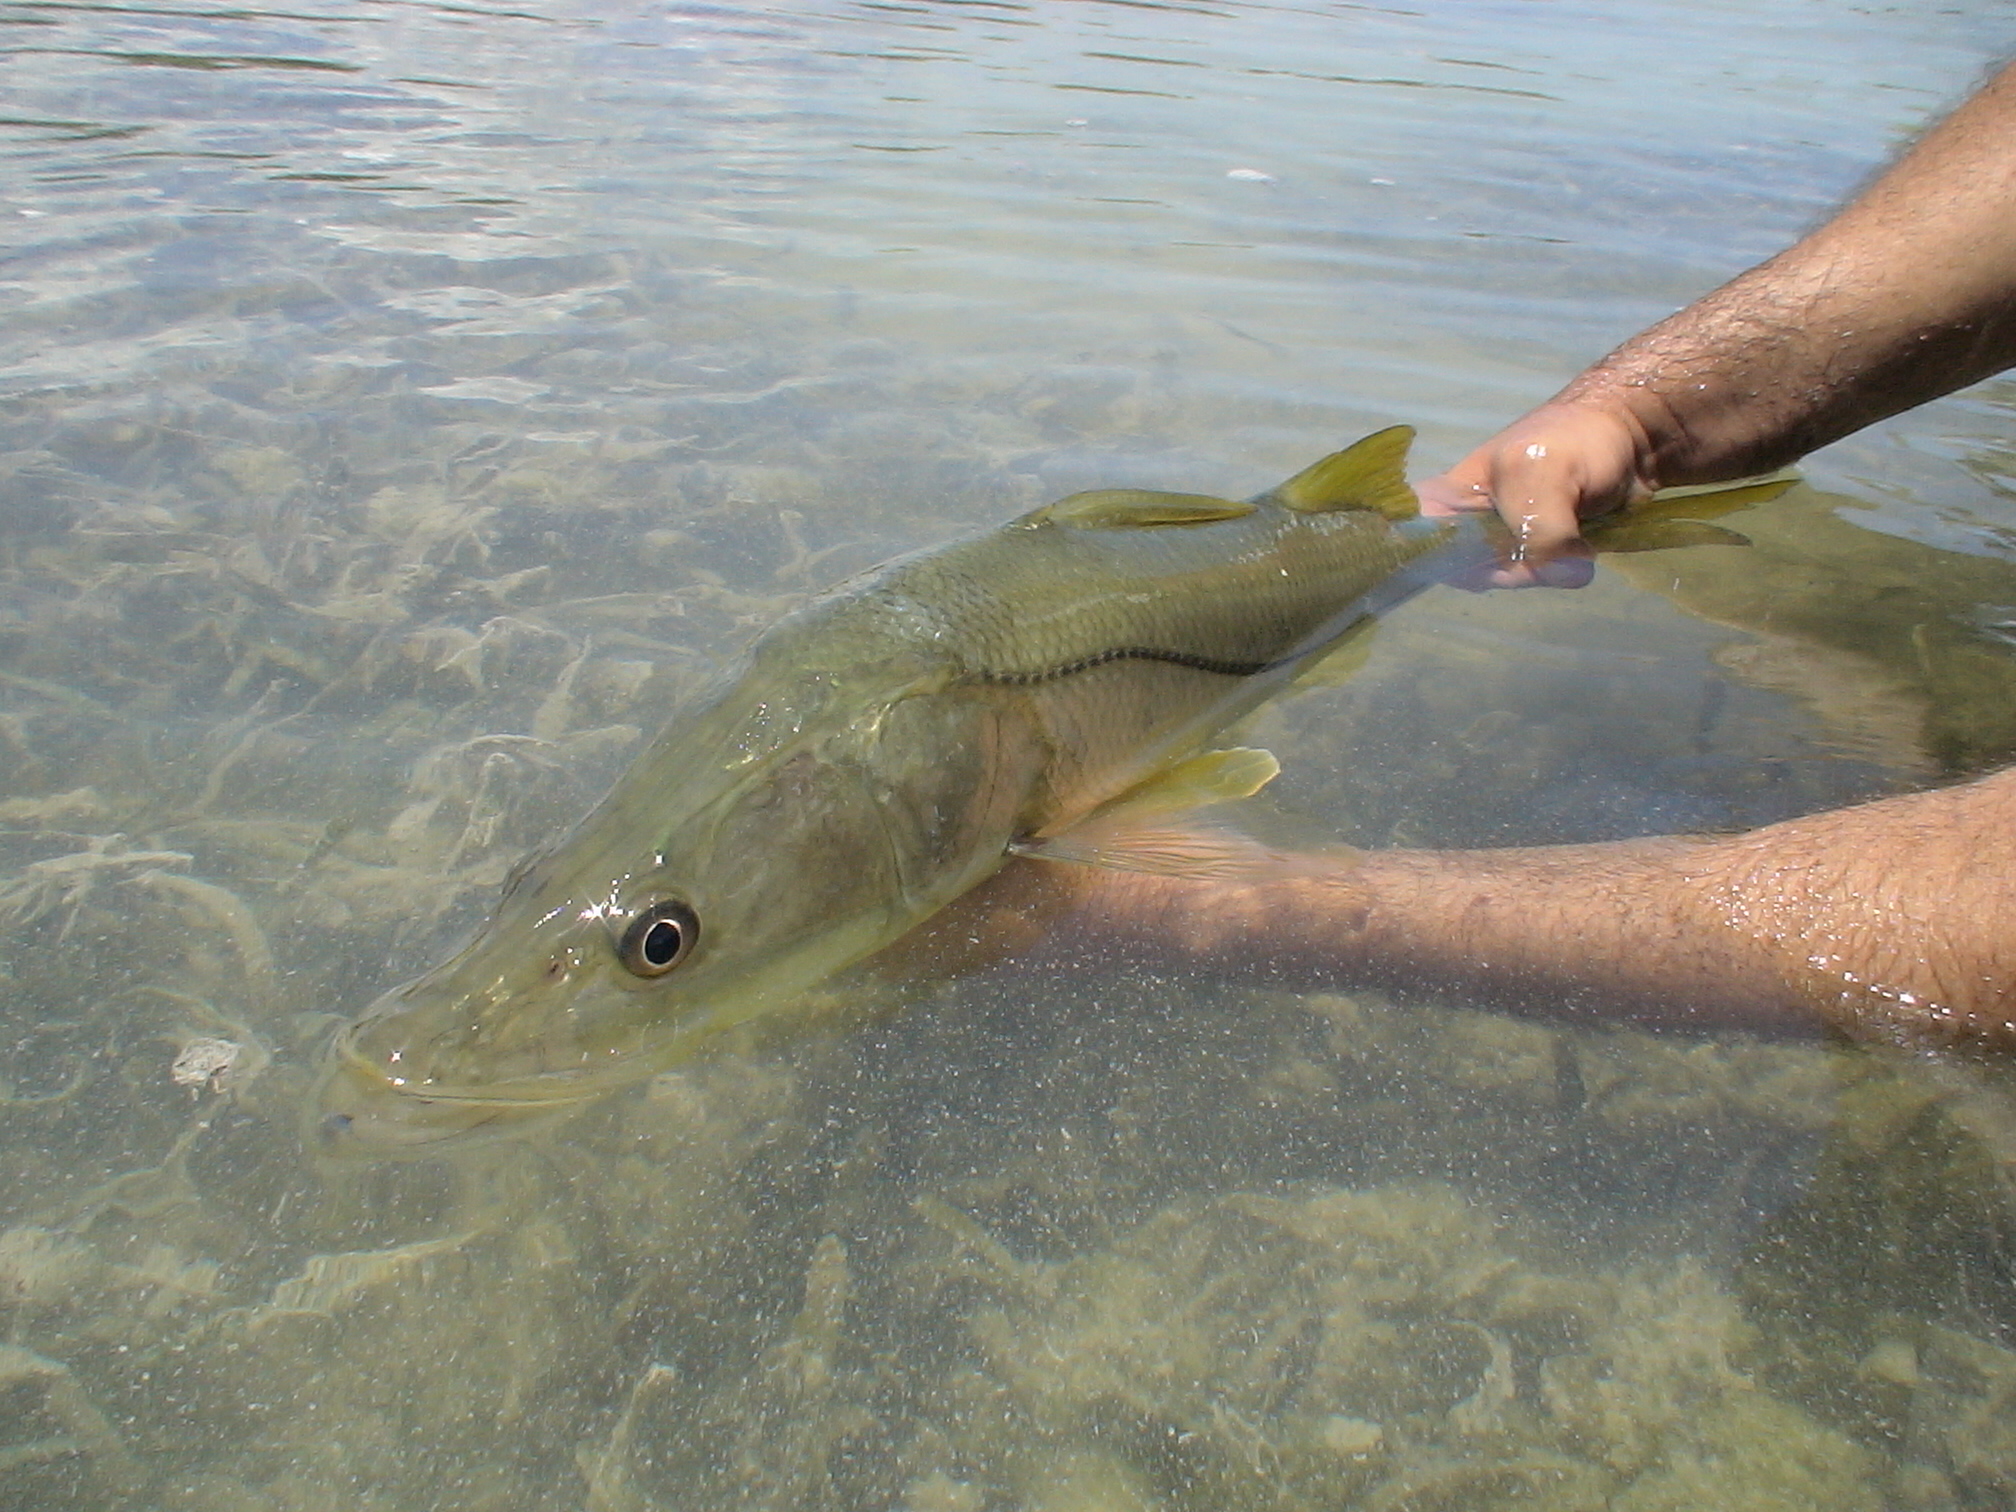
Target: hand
x=1565 y=462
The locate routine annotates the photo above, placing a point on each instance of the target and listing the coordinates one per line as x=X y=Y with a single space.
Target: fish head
x=743 y=860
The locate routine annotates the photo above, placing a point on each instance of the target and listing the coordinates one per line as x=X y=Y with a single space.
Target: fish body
x=879 y=752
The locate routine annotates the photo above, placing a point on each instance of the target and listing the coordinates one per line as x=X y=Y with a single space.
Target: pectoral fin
x=1197 y=782
x=1172 y=850
x=1134 y=508
x=1368 y=474
x=1132 y=832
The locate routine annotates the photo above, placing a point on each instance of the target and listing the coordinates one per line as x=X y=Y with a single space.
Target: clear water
x=404 y=403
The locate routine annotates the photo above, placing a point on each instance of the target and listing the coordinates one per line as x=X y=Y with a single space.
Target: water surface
x=405 y=404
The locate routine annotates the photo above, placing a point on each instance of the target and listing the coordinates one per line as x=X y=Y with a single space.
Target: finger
x=1539 y=492
x=1449 y=493
x=1565 y=571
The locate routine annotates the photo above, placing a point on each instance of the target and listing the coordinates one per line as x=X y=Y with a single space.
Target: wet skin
x=1906 y=294
x=1893 y=920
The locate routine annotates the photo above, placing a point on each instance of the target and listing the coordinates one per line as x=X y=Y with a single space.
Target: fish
x=880 y=751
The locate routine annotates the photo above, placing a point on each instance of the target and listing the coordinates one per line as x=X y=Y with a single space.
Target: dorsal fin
x=1368 y=474
x=1128 y=508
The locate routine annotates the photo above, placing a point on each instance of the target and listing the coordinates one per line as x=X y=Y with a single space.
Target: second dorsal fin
x=1368 y=474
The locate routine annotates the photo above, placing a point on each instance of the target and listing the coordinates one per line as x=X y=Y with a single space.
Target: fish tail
x=1681 y=516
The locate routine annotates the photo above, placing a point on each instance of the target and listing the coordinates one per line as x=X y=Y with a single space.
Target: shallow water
x=405 y=404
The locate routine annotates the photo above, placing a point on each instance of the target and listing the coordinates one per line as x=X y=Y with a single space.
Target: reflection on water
x=405 y=405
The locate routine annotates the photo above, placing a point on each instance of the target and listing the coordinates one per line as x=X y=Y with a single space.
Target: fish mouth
x=413 y=1132
x=531 y=1089
x=486 y=1048
x=362 y=1110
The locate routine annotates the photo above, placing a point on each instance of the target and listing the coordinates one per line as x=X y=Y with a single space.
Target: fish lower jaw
x=404 y=1056
x=534 y=1089
x=361 y=1113
x=373 y=1123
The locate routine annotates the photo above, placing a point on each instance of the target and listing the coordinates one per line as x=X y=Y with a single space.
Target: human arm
x=1893 y=919
x=1906 y=294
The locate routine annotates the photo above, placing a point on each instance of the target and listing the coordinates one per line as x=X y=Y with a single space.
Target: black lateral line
x=1123 y=653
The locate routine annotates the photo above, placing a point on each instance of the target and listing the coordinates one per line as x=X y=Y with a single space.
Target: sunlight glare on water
x=402 y=406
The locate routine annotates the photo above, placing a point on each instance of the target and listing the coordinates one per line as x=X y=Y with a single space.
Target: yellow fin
x=1679 y=516
x=1168 y=850
x=1369 y=474
x=1629 y=535
x=1127 y=833
x=1339 y=662
x=1707 y=500
x=1197 y=782
x=1130 y=508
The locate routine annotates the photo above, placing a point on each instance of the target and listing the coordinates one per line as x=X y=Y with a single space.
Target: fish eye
x=659 y=938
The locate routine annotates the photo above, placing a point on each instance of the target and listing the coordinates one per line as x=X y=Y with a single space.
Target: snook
x=880 y=752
